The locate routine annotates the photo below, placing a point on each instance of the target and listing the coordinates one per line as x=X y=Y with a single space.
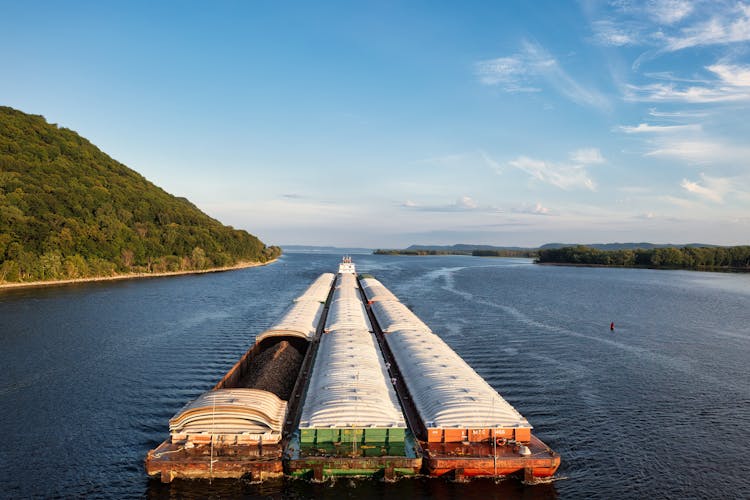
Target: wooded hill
x=700 y=258
x=67 y=210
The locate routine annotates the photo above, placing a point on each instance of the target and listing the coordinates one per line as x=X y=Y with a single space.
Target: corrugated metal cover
x=231 y=411
x=396 y=316
x=318 y=290
x=446 y=391
x=347 y=281
x=349 y=385
x=300 y=320
x=345 y=292
x=347 y=314
x=375 y=291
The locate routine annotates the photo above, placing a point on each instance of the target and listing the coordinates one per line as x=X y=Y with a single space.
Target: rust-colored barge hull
x=171 y=461
x=483 y=459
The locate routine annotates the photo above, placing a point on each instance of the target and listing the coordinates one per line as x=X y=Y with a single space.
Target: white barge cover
x=300 y=320
x=347 y=314
x=446 y=391
x=318 y=290
x=253 y=414
x=375 y=291
x=394 y=315
x=349 y=385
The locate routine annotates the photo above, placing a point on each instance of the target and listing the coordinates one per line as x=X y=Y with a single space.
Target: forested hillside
x=710 y=258
x=67 y=210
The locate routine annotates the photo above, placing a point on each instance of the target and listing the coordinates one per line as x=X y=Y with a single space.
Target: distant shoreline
x=716 y=269
x=130 y=276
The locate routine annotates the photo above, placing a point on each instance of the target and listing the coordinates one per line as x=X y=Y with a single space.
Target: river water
x=659 y=407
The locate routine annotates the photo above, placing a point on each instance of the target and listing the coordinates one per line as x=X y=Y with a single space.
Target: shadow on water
x=420 y=487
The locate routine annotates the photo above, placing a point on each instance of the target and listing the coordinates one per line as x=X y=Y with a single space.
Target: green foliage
x=504 y=253
x=67 y=210
x=474 y=252
x=669 y=257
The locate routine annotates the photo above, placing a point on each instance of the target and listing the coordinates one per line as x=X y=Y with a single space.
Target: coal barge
x=237 y=429
x=349 y=382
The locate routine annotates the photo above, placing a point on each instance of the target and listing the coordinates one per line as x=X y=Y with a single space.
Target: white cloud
x=536 y=209
x=511 y=73
x=732 y=74
x=519 y=72
x=680 y=202
x=662 y=92
x=726 y=27
x=701 y=151
x=645 y=128
x=676 y=114
x=462 y=204
x=710 y=188
x=613 y=34
x=669 y=11
x=466 y=203
x=587 y=156
x=489 y=161
x=563 y=175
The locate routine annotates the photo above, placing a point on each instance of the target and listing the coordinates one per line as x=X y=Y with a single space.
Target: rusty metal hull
x=483 y=459
x=170 y=461
x=319 y=468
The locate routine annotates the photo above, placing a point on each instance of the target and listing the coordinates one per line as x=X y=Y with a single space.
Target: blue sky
x=383 y=124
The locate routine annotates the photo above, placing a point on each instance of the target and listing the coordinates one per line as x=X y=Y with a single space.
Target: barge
x=350 y=382
x=464 y=427
x=351 y=422
x=239 y=428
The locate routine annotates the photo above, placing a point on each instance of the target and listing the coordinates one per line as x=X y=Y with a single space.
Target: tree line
x=731 y=258
x=67 y=210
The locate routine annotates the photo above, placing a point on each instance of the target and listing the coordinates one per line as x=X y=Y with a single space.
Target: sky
x=389 y=123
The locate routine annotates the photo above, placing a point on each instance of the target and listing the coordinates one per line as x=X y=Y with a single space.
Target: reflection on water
x=92 y=373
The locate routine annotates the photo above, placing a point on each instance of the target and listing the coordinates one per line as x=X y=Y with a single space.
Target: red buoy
x=612 y=326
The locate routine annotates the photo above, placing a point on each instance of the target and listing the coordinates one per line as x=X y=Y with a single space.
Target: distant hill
x=464 y=248
x=501 y=251
x=67 y=210
x=461 y=249
x=324 y=249
x=624 y=246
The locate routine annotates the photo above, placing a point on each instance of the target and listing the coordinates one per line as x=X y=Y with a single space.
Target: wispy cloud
x=491 y=162
x=462 y=160
x=563 y=175
x=462 y=204
x=729 y=26
x=645 y=128
x=732 y=85
x=523 y=71
x=679 y=202
x=680 y=115
x=535 y=209
x=700 y=150
x=513 y=73
x=735 y=75
x=614 y=34
x=669 y=11
x=709 y=188
x=587 y=156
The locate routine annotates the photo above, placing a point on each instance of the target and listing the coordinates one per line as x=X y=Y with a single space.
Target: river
x=659 y=407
